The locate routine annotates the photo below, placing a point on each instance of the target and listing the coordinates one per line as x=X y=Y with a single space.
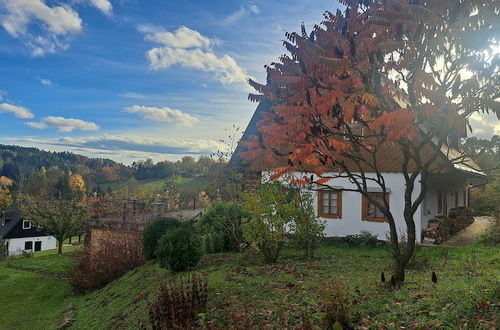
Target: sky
x=136 y=79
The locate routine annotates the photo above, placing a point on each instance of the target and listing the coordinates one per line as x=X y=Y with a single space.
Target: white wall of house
x=450 y=185
x=16 y=245
x=351 y=222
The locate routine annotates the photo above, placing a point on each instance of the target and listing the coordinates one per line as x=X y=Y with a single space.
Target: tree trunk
x=59 y=246
x=399 y=271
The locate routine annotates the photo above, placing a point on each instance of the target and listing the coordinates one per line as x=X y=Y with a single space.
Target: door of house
x=442 y=202
x=38 y=246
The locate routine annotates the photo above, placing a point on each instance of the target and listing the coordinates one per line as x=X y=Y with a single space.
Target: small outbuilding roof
x=9 y=218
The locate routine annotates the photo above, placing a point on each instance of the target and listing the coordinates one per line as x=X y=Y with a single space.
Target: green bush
x=220 y=227
x=178 y=250
x=153 y=231
x=3 y=250
x=365 y=238
x=307 y=228
x=212 y=242
x=491 y=237
x=270 y=214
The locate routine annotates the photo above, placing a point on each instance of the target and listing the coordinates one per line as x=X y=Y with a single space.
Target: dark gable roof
x=264 y=106
x=13 y=227
x=5 y=229
x=467 y=165
x=10 y=216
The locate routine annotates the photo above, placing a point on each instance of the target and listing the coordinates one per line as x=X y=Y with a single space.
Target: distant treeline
x=21 y=163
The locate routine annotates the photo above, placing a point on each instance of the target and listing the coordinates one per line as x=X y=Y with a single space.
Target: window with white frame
x=26 y=224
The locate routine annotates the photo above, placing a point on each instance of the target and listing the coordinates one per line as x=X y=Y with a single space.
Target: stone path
x=471 y=233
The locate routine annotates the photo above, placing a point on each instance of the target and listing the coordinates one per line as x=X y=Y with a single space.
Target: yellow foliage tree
x=77 y=182
x=5 y=197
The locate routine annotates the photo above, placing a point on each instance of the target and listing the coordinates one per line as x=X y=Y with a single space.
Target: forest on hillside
x=44 y=174
x=20 y=163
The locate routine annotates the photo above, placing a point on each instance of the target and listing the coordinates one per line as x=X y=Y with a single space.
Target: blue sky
x=134 y=79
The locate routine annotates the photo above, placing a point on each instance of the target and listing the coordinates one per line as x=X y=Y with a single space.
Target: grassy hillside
x=191 y=184
x=147 y=184
x=287 y=291
x=32 y=293
x=282 y=294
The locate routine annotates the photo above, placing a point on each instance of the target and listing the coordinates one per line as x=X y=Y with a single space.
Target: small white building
x=19 y=235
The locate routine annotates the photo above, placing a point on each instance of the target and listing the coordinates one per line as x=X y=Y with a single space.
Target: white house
x=19 y=235
x=350 y=213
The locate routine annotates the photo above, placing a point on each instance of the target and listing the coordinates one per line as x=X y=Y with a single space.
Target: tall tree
x=5 y=196
x=59 y=218
x=398 y=74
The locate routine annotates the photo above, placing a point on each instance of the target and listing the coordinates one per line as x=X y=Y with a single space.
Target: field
x=281 y=295
x=196 y=183
x=147 y=184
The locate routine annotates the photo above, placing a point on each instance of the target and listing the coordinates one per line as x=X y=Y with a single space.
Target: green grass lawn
x=48 y=262
x=30 y=300
x=32 y=293
x=281 y=295
x=191 y=184
x=154 y=184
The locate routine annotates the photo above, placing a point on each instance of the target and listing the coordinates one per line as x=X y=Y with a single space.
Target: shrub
x=178 y=250
x=179 y=304
x=307 y=228
x=220 y=227
x=106 y=261
x=153 y=231
x=336 y=305
x=365 y=238
x=269 y=214
x=491 y=237
x=3 y=250
x=28 y=254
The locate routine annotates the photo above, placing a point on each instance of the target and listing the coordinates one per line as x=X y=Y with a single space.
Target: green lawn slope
x=281 y=295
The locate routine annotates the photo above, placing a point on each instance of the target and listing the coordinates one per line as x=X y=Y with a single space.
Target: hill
x=18 y=163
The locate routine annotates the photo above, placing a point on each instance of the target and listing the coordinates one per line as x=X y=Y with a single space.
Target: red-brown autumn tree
x=399 y=75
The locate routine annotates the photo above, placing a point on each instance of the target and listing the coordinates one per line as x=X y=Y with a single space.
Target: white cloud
x=484 y=126
x=132 y=95
x=190 y=49
x=183 y=37
x=225 y=68
x=164 y=115
x=150 y=28
x=64 y=124
x=235 y=17
x=46 y=82
x=239 y=15
x=55 y=24
x=254 y=9
x=103 y=5
x=120 y=144
x=18 y=111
